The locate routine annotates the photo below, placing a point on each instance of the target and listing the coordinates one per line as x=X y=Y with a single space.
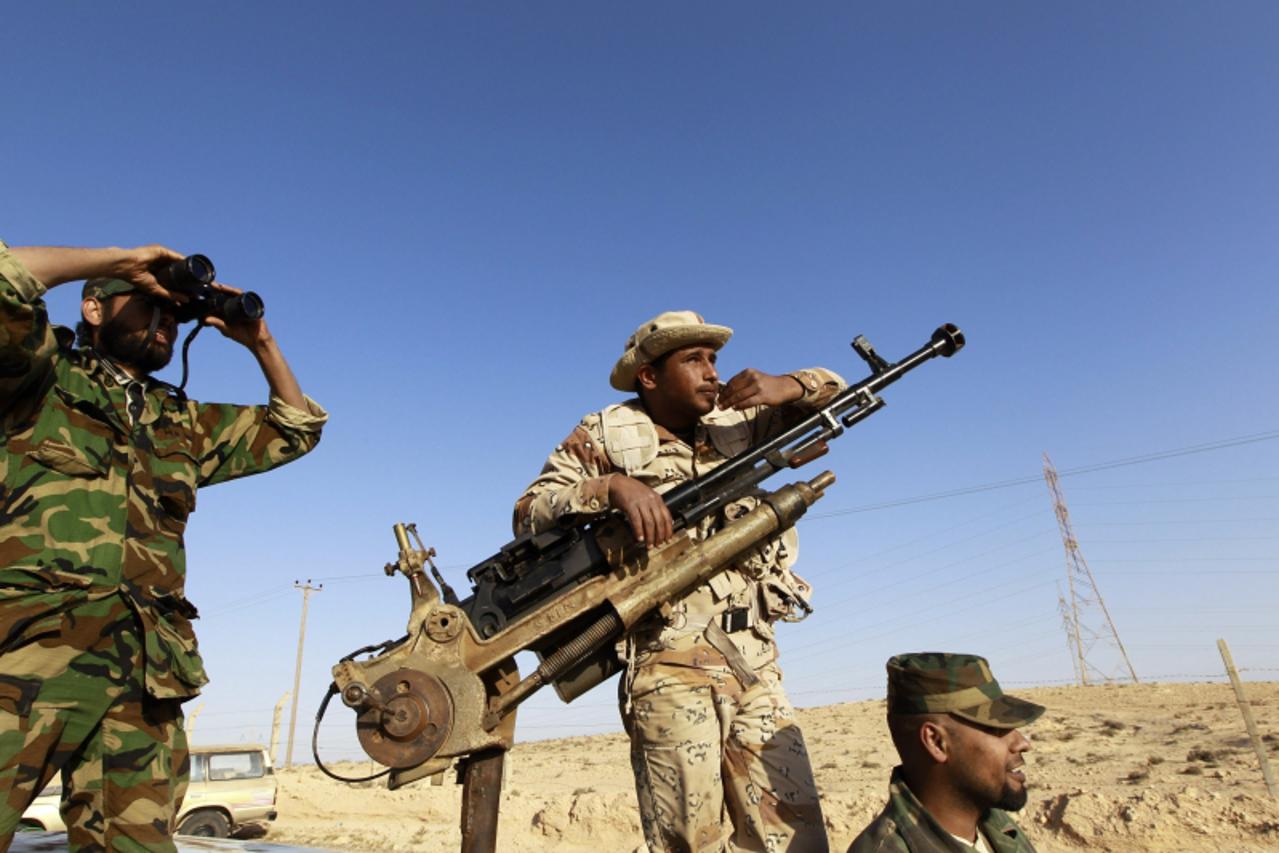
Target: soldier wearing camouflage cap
x=719 y=761
x=101 y=467
x=961 y=745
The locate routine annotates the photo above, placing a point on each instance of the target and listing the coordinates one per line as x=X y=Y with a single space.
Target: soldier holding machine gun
x=691 y=580
x=701 y=698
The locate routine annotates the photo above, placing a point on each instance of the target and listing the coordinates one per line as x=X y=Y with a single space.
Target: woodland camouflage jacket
x=905 y=826
x=94 y=506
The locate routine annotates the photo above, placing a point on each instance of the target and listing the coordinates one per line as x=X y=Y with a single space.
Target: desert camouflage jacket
x=623 y=440
x=94 y=501
x=905 y=826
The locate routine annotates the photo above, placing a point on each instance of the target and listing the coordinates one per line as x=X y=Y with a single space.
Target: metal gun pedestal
x=481 y=798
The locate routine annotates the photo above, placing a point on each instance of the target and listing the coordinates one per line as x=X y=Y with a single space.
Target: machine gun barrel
x=696 y=499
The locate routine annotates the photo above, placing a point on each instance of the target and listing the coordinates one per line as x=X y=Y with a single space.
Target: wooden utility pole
x=1248 y=721
x=307 y=589
x=275 y=728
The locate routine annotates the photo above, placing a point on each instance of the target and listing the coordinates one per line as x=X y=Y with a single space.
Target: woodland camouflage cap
x=100 y=287
x=963 y=685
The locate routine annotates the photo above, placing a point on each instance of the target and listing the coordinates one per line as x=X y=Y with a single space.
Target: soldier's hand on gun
x=755 y=388
x=644 y=509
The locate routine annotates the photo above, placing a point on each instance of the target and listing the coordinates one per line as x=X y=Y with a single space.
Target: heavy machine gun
x=448 y=690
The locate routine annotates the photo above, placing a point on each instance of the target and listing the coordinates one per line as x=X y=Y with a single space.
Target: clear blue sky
x=456 y=214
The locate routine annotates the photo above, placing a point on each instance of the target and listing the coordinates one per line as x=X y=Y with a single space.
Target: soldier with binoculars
x=101 y=466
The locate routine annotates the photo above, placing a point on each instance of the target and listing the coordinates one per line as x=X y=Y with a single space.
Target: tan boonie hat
x=963 y=685
x=100 y=287
x=665 y=332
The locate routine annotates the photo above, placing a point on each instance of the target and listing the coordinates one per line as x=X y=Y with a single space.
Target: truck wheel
x=208 y=824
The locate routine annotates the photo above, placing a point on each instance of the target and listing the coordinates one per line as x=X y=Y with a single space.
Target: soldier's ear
x=646 y=377
x=91 y=311
x=935 y=740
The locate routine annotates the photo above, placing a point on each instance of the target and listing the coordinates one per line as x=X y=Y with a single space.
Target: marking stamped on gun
x=555 y=615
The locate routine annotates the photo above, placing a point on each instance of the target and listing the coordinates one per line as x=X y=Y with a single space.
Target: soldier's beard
x=1011 y=800
x=127 y=347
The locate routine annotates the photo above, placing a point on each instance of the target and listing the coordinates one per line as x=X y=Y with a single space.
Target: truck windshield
x=234 y=765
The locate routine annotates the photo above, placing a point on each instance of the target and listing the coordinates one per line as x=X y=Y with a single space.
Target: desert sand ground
x=1151 y=767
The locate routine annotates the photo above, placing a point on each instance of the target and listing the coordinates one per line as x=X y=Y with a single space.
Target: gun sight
x=873 y=359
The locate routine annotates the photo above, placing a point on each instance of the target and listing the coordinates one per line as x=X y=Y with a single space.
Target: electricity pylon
x=1083 y=627
x=1068 y=625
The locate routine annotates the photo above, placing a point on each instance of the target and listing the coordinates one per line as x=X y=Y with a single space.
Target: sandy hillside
x=1123 y=768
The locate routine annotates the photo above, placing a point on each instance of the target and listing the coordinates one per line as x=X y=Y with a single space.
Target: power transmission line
x=945 y=547
x=1157 y=456
x=1218 y=482
x=1181 y=521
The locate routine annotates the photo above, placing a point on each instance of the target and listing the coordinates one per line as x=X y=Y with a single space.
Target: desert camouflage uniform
x=96 y=646
x=704 y=737
x=905 y=826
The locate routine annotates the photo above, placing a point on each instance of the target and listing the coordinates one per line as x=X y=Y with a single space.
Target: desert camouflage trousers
x=72 y=701
x=720 y=767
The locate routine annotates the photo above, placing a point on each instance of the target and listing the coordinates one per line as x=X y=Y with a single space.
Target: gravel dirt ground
x=1150 y=767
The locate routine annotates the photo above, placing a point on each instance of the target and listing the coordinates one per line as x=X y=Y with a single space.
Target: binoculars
x=193 y=277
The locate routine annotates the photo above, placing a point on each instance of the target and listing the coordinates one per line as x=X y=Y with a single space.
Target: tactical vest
x=631 y=442
x=762 y=581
